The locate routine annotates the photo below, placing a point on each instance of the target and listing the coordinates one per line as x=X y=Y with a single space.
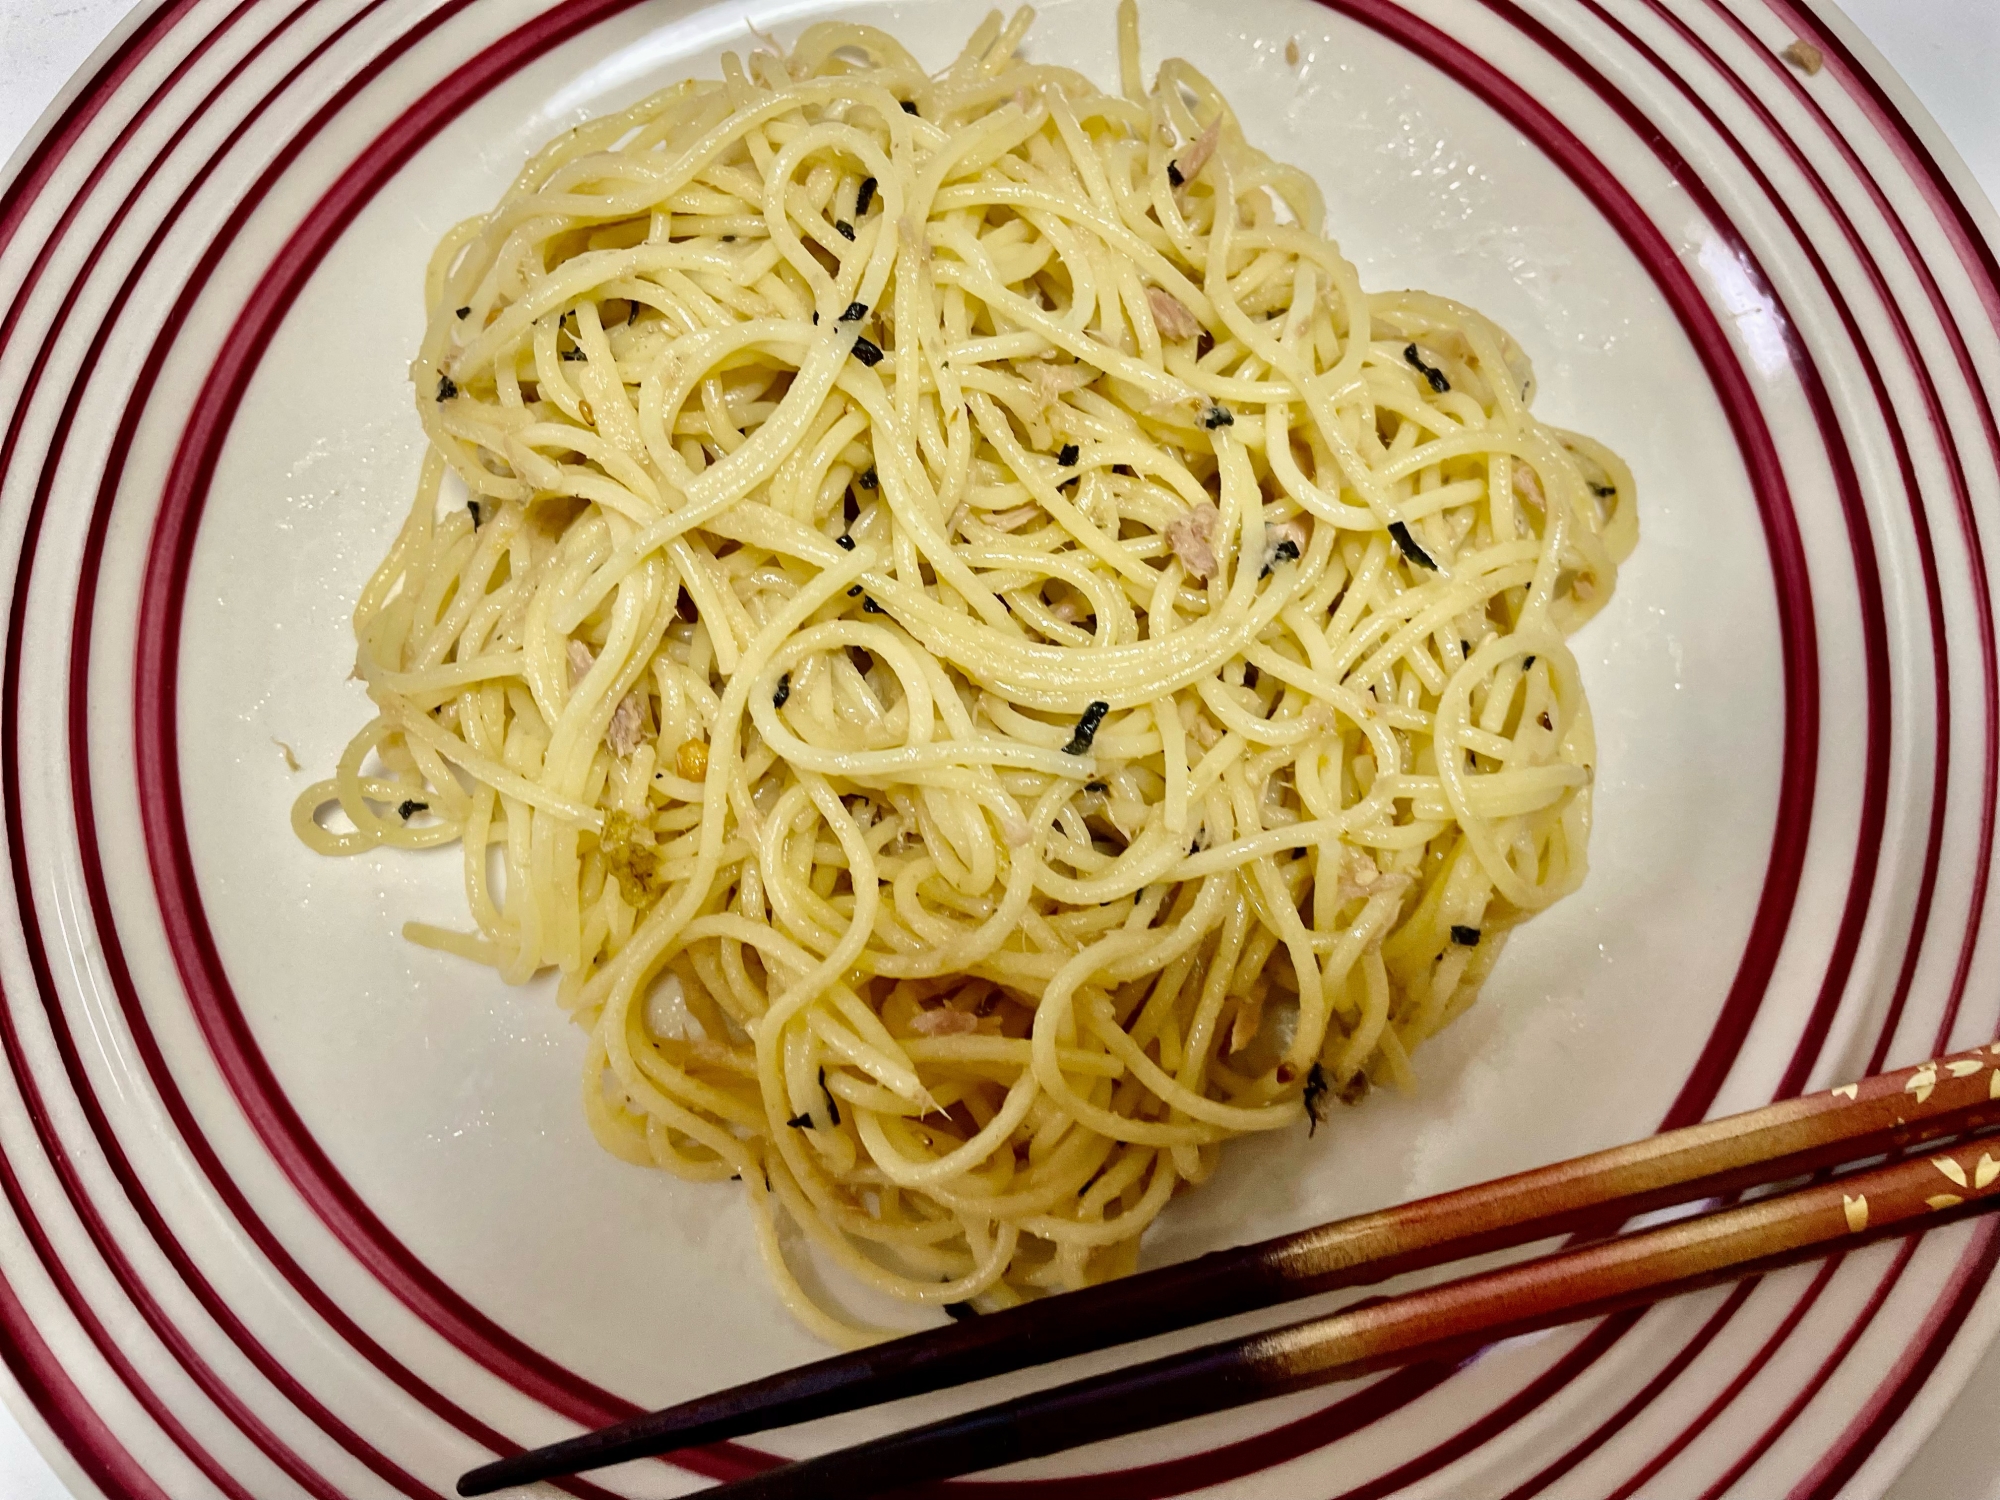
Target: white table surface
x=1948 y=51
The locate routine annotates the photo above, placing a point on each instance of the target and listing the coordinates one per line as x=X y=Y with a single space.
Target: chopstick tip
x=482 y=1480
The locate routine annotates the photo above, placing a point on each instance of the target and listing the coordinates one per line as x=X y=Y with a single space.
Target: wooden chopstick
x=1445 y=1321
x=1883 y=1114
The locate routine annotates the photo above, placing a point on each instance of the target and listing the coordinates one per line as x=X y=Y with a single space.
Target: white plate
x=293 y=1208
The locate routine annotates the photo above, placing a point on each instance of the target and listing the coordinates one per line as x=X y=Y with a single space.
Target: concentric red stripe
x=171 y=1336
x=34 y=1365
x=1792 y=577
x=1736 y=1387
x=1835 y=983
x=56 y=143
x=1830 y=995
x=1975 y=1269
x=218 y=1389
x=1692 y=1105
x=130 y=1000
x=243 y=1065
x=1803 y=1059
x=1971 y=1279
x=12 y=214
x=1647 y=1394
x=1802 y=1398
x=66 y=1409
x=1983 y=270
x=141 y=1296
x=94 y=873
x=1975 y=251
x=1592 y=1347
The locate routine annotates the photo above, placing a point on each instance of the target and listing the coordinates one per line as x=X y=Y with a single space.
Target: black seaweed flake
x=870 y=607
x=1604 y=491
x=1465 y=937
x=868 y=353
x=1096 y=786
x=800 y=1122
x=844 y=229
x=832 y=1108
x=1086 y=728
x=1410 y=548
x=473 y=506
x=1430 y=372
x=1314 y=1098
x=569 y=354
x=1545 y=721
x=1068 y=454
x=1203 y=342
x=1218 y=416
x=1286 y=551
x=856 y=311
x=411 y=805
x=1174 y=174
x=958 y=1312
x=815 y=319
x=447 y=388
x=466 y=312
x=844 y=542
x=783 y=692
x=869 y=479
x=632 y=314
x=853 y=591
x=909 y=106
x=864 y=197
x=1527 y=662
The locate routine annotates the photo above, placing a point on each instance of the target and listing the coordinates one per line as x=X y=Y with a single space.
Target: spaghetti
x=987 y=662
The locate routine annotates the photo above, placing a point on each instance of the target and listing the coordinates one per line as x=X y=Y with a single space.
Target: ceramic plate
x=294 y=1208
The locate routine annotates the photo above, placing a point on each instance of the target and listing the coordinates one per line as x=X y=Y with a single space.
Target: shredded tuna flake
x=1192 y=537
x=1173 y=318
x=943 y=1022
x=626 y=726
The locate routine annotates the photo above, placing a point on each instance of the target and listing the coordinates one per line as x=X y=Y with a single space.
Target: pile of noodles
x=987 y=662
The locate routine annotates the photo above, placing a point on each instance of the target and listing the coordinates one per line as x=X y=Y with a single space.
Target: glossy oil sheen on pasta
x=986 y=660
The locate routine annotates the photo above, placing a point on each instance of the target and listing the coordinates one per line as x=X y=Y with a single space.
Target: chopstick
x=1445 y=1321
x=1595 y=1193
